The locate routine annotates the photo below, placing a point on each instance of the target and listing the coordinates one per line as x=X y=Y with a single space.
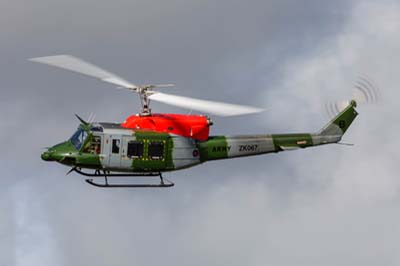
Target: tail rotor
x=365 y=91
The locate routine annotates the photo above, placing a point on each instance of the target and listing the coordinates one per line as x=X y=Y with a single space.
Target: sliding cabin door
x=115 y=152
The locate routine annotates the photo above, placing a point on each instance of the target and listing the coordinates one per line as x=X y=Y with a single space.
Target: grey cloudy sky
x=331 y=205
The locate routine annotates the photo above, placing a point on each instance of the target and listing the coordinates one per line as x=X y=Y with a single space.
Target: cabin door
x=115 y=152
x=126 y=158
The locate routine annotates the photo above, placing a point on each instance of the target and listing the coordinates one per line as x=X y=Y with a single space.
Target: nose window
x=78 y=138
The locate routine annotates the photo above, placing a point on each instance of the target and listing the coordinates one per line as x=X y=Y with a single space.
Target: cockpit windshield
x=78 y=138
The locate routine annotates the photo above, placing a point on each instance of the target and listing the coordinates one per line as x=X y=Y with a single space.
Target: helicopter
x=149 y=144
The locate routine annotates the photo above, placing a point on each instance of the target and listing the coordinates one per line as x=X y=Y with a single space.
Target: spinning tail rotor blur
x=365 y=91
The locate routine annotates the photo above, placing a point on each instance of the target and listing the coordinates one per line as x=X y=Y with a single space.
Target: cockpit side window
x=95 y=145
x=78 y=138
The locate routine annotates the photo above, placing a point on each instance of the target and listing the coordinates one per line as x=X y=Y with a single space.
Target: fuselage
x=111 y=147
x=116 y=148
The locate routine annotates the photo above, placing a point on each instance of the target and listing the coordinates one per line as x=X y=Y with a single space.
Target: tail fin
x=340 y=123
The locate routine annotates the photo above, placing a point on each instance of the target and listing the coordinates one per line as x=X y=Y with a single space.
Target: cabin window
x=115 y=145
x=135 y=149
x=95 y=145
x=156 y=150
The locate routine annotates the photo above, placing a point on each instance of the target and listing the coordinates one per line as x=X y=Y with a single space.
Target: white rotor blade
x=163 y=85
x=211 y=107
x=78 y=65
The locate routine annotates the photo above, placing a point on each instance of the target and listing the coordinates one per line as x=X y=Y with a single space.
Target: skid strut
x=107 y=174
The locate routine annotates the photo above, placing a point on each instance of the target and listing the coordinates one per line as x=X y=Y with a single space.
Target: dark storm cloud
x=299 y=207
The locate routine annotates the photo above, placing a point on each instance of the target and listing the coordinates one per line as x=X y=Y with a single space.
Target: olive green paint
x=88 y=160
x=215 y=148
x=60 y=151
x=147 y=164
x=281 y=141
x=67 y=154
x=346 y=117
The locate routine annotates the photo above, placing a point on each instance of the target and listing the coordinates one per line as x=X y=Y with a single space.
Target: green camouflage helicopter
x=149 y=144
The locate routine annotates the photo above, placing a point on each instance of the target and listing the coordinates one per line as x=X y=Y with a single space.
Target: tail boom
x=224 y=147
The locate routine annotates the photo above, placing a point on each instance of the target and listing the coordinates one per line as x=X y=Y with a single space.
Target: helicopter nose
x=59 y=152
x=46 y=156
x=51 y=155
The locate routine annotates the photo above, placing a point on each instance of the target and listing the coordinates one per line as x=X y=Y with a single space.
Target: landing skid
x=107 y=185
x=106 y=174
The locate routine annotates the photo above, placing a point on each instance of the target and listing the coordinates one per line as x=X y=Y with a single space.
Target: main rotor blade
x=159 y=85
x=210 y=107
x=78 y=65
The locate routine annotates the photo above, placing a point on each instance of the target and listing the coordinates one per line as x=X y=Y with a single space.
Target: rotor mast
x=145 y=91
x=144 y=99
